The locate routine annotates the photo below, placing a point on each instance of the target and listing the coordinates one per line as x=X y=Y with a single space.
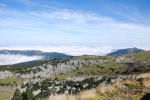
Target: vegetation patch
x=11 y=80
x=125 y=90
x=6 y=92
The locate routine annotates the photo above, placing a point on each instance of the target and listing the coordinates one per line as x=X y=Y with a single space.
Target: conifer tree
x=17 y=95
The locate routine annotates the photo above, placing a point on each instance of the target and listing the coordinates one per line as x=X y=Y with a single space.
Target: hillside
x=86 y=65
x=74 y=75
x=125 y=51
x=126 y=89
x=133 y=63
x=34 y=53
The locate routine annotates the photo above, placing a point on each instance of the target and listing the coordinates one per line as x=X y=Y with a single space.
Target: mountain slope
x=86 y=65
x=34 y=53
x=140 y=63
x=125 y=51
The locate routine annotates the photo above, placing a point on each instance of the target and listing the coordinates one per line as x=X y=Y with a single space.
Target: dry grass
x=145 y=75
x=104 y=92
x=106 y=88
x=81 y=96
x=86 y=94
x=144 y=79
x=146 y=83
x=129 y=83
x=6 y=92
x=62 y=97
x=124 y=90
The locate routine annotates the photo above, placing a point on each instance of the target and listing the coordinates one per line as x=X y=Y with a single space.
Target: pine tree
x=29 y=94
x=17 y=95
x=47 y=91
x=24 y=96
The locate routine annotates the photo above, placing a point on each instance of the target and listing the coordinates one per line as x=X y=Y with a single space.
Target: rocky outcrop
x=5 y=74
x=73 y=85
x=48 y=69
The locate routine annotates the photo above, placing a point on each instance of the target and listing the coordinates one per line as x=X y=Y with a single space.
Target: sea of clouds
x=70 y=50
x=13 y=59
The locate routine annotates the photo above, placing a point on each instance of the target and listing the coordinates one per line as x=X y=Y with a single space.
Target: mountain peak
x=125 y=51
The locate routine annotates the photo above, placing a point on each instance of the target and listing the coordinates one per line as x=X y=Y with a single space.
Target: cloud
x=130 y=13
x=61 y=27
x=71 y=50
x=13 y=59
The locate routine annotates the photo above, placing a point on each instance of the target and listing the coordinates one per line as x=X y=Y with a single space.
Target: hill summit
x=125 y=51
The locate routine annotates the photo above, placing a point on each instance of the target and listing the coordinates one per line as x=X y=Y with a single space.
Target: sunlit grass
x=124 y=90
x=10 y=80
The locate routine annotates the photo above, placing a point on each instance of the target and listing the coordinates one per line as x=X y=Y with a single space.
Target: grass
x=144 y=79
x=6 y=92
x=111 y=68
x=86 y=71
x=62 y=97
x=142 y=55
x=124 y=90
x=69 y=74
x=134 y=90
x=146 y=83
x=145 y=75
x=85 y=94
x=95 y=69
x=90 y=57
x=10 y=80
x=106 y=69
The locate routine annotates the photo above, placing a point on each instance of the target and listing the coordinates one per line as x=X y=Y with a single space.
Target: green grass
x=90 y=57
x=10 y=80
x=64 y=76
x=142 y=56
x=110 y=67
x=94 y=70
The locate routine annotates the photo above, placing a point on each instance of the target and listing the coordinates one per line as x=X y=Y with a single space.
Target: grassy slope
x=11 y=80
x=124 y=90
x=106 y=68
x=94 y=71
x=142 y=56
x=134 y=90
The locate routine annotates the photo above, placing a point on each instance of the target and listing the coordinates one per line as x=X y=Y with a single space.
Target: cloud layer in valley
x=13 y=59
x=71 y=50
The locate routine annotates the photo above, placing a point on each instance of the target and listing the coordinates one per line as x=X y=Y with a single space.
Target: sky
x=74 y=27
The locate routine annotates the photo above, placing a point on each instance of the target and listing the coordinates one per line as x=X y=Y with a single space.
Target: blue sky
x=74 y=24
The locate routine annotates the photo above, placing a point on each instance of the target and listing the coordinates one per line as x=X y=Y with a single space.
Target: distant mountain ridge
x=125 y=51
x=35 y=53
